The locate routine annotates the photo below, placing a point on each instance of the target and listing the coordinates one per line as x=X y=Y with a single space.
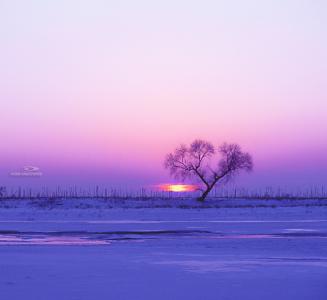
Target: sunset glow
x=178 y=188
x=100 y=94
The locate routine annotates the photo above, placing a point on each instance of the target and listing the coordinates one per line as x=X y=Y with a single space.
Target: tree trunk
x=205 y=194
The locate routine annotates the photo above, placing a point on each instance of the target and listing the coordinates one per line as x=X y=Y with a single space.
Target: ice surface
x=70 y=252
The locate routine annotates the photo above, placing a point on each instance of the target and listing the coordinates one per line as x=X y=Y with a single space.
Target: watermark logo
x=27 y=171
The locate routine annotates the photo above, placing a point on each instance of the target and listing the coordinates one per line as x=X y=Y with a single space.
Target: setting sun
x=178 y=187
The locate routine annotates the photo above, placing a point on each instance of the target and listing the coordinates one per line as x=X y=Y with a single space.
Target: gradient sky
x=99 y=91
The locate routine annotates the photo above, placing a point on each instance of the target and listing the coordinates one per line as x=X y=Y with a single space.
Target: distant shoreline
x=101 y=203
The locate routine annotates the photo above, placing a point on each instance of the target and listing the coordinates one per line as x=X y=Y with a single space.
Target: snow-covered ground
x=223 y=249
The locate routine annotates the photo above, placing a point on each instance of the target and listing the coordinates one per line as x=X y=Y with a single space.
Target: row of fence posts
x=143 y=193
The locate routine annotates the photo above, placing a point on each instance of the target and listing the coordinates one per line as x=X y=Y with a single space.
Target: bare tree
x=194 y=162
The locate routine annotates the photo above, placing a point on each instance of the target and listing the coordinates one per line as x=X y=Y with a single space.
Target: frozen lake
x=166 y=254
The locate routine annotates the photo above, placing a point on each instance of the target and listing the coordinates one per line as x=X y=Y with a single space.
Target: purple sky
x=97 y=92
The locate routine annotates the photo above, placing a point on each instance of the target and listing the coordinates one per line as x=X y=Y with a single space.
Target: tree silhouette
x=194 y=162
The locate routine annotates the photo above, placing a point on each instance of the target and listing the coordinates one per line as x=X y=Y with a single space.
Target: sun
x=178 y=188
